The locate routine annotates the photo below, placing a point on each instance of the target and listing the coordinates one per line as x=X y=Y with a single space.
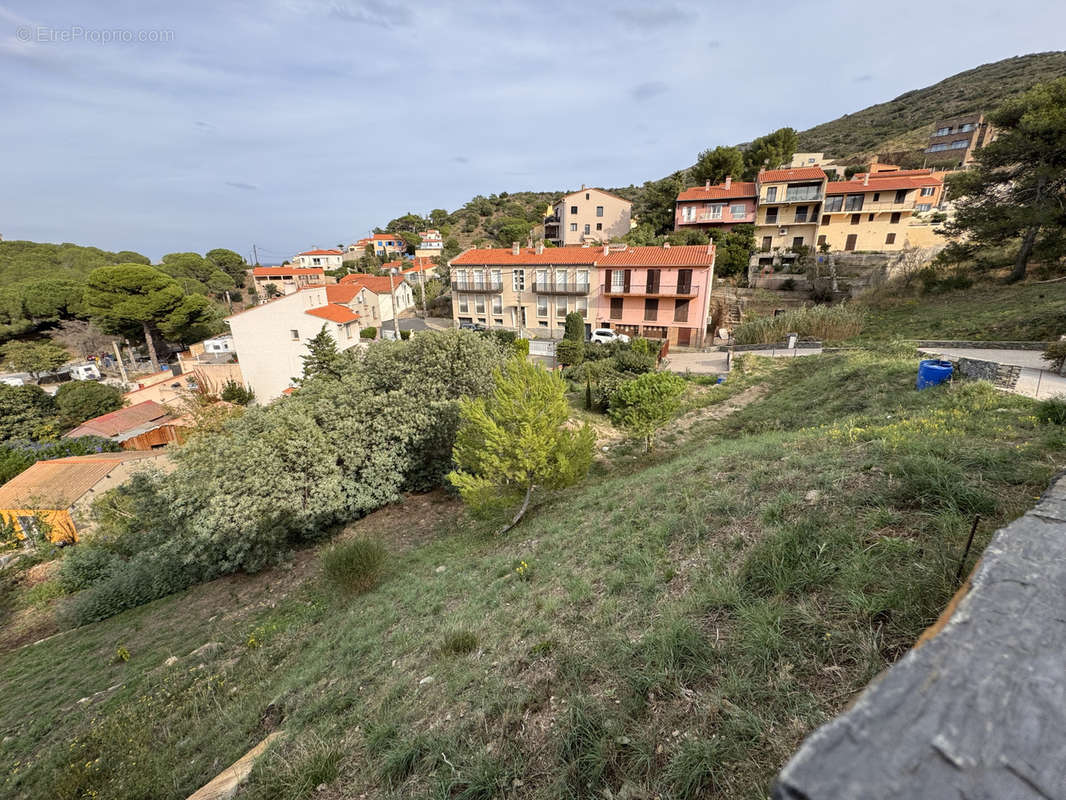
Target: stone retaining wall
x=1005 y=376
x=1041 y=346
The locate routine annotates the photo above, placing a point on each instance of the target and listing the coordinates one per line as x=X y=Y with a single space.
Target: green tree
x=271 y=290
x=24 y=410
x=37 y=358
x=570 y=352
x=78 y=401
x=230 y=262
x=1017 y=190
x=234 y=392
x=770 y=151
x=733 y=251
x=507 y=230
x=574 y=327
x=126 y=298
x=515 y=441
x=645 y=404
x=717 y=164
x=655 y=206
x=323 y=357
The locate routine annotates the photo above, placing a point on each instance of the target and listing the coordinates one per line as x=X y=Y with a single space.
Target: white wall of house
x=324 y=261
x=271 y=339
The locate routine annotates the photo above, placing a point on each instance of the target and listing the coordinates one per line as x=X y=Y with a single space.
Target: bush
x=1052 y=410
x=133 y=583
x=85 y=565
x=569 y=352
x=78 y=401
x=405 y=335
x=821 y=294
x=234 y=392
x=634 y=362
x=824 y=323
x=1055 y=353
x=354 y=567
x=521 y=347
x=574 y=329
x=368 y=333
x=504 y=337
x=788 y=284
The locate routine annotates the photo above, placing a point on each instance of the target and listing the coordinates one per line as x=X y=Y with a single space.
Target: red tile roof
x=277 y=272
x=378 y=284
x=689 y=255
x=61 y=481
x=320 y=253
x=792 y=174
x=381 y=237
x=895 y=173
x=887 y=183
x=342 y=292
x=143 y=416
x=720 y=192
x=421 y=264
x=334 y=313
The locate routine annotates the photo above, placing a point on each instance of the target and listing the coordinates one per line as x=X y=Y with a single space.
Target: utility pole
x=121 y=366
x=255 y=257
x=395 y=315
x=422 y=283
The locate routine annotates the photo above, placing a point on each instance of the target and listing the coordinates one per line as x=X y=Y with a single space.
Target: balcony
x=680 y=290
x=794 y=197
x=879 y=206
x=478 y=286
x=556 y=287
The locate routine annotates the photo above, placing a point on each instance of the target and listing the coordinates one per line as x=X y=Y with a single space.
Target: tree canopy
x=646 y=403
x=34 y=357
x=77 y=401
x=771 y=151
x=1017 y=190
x=717 y=164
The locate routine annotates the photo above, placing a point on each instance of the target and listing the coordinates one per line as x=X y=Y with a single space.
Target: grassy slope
x=1024 y=312
x=685 y=620
x=908 y=116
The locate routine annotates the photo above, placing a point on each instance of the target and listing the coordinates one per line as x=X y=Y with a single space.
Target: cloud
x=863 y=78
x=460 y=159
x=207 y=126
x=248 y=187
x=378 y=13
x=714 y=44
x=646 y=91
x=660 y=17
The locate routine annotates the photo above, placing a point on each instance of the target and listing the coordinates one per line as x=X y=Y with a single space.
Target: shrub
x=78 y=401
x=85 y=565
x=503 y=336
x=1056 y=355
x=459 y=642
x=821 y=294
x=634 y=362
x=368 y=333
x=234 y=392
x=355 y=567
x=574 y=329
x=824 y=323
x=645 y=404
x=569 y=352
x=521 y=347
x=1052 y=410
x=130 y=584
x=788 y=284
x=405 y=335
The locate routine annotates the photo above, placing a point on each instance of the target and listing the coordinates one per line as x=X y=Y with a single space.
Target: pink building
x=717 y=207
x=656 y=292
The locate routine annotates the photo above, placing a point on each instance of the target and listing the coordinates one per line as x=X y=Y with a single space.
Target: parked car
x=471 y=326
x=605 y=335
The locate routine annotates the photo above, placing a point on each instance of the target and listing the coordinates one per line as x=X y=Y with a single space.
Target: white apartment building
x=326 y=259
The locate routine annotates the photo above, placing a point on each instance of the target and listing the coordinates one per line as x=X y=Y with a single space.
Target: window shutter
x=607 y=281
x=626 y=285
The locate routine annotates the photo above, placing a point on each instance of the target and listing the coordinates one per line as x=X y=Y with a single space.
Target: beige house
x=271 y=339
x=789 y=205
x=873 y=212
x=586 y=216
x=316 y=257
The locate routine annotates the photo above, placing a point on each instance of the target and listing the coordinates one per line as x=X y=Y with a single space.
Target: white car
x=605 y=335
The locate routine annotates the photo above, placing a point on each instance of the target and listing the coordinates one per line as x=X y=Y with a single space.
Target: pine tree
x=515 y=441
x=323 y=357
x=645 y=404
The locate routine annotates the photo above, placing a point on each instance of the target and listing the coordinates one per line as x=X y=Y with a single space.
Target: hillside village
x=613 y=493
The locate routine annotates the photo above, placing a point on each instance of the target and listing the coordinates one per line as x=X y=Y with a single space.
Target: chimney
x=866 y=179
x=514 y=248
x=540 y=248
x=606 y=248
x=762 y=170
x=707 y=185
x=666 y=245
x=710 y=245
x=728 y=181
x=582 y=187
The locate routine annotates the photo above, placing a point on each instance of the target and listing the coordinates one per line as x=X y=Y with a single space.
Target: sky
x=293 y=123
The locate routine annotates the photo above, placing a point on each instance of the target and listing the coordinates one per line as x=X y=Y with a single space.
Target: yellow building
x=588 y=216
x=54 y=497
x=789 y=201
x=874 y=212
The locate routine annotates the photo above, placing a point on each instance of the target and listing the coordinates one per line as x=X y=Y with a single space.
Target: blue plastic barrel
x=933 y=371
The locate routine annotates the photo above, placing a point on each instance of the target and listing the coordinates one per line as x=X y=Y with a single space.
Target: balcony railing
x=726 y=218
x=655 y=290
x=559 y=287
x=478 y=286
x=805 y=197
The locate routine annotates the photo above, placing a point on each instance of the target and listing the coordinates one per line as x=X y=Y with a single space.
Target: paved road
x=713 y=363
x=1035 y=380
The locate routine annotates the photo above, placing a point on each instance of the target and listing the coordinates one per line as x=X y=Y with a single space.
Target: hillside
x=679 y=622
x=906 y=122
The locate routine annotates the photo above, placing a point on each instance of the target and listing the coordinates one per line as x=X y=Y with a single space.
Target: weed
x=695 y=769
x=355 y=567
x=459 y=642
x=293 y=773
x=1052 y=410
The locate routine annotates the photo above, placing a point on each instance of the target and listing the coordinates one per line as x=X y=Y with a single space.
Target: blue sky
x=291 y=123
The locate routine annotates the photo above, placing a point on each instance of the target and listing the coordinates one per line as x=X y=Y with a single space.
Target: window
x=766 y=242
x=797 y=241
x=587 y=197
x=599 y=226
x=834 y=203
x=877 y=196
x=518 y=280
x=801 y=213
x=651 y=309
x=714 y=212
x=901 y=195
x=927 y=191
x=479 y=304
x=850 y=243
x=688 y=213
x=479 y=279
x=869 y=217
x=771 y=216
x=588 y=229
x=560 y=307
x=582 y=307
x=618 y=280
x=543 y=324
x=771 y=194
x=583 y=280
x=923 y=206
x=652 y=285
x=348 y=330
x=894 y=220
x=684 y=281
x=498 y=321
x=497 y=304
x=560 y=278
x=936 y=148
x=294 y=335
x=599 y=211
x=681 y=310
x=825 y=219
x=497 y=280
x=542 y=306
x=794 y=193
x=573 y=209
x=959 y=144
x=855 y=219
x=464 y=304
x=738 y=210
x=853 y=202
x=943 y=131
x=966 y=126
x=890 y=238
x=573 y=227
x=616 y=308
x=821 y=240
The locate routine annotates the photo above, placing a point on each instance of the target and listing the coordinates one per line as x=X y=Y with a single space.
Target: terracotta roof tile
x=267 y=272
x=342 y=292
x=378 y=284
x=694 y=255
x=334 y=313
x=718 y=191
x=140 y=417
x=792 y=174
x=688 y=255
x=58 y=483
x=887 y=183
x=320 y=253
